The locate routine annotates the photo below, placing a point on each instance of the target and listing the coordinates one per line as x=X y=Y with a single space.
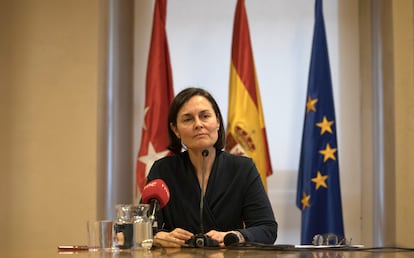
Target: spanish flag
x=246 y=134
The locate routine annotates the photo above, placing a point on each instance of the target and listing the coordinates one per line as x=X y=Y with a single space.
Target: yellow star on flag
x=310 y=104
x=305 y=201
x=328 y=153
x=320 y=180
x=325 y=125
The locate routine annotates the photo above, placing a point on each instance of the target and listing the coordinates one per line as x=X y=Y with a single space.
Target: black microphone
x=200 y=239
x=231 y=239
x=204 y=153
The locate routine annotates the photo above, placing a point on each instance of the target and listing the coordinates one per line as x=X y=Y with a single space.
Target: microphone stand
x=201 y=240
x=155 y=204
x=204 y=153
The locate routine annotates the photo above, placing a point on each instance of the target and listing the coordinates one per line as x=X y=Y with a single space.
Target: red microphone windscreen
x=156 y=189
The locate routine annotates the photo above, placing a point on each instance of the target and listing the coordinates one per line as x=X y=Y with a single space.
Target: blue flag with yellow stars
x=318 y=192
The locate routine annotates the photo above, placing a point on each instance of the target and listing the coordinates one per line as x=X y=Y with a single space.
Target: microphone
x=231 y=239
x=200 y=239
x=157 y=194
x=204 y=153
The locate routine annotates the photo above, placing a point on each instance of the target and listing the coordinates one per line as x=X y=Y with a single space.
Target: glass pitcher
x=142 y=227
x=124 y=226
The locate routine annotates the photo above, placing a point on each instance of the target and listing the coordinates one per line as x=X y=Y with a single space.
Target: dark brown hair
x=179 y=100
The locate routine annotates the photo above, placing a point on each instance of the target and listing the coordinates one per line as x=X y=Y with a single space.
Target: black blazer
x=235 y=198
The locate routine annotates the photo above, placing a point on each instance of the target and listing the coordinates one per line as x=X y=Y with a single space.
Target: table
x=208 y=253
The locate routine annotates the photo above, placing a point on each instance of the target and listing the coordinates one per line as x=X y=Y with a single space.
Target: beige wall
x=48 y=113
x=403 y=29
x=397 y=35
x=397 y=21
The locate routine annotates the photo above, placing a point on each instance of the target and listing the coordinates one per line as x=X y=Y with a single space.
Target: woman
x=234 y=197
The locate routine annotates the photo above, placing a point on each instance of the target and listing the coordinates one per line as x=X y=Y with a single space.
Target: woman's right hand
x=175 y=238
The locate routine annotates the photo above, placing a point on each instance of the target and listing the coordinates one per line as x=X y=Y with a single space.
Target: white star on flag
x=151 y=157
x=145 y=114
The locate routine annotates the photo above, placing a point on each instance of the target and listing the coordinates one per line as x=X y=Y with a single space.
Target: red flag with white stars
x=158 y=96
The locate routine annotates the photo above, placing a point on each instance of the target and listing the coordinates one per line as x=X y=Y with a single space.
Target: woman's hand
x=175 y=238
x=218 y=236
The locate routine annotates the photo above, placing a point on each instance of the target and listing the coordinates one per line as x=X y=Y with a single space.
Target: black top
x=235 y=198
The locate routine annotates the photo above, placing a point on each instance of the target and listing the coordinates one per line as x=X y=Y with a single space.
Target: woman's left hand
x=217 y=236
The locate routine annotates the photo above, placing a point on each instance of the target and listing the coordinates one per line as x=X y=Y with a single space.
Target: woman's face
x=197 y=124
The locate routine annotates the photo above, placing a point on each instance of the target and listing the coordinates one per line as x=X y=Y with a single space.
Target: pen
x=73 y=247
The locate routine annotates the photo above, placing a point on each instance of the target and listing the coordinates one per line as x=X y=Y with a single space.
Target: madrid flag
x=246 y=134
x=158 y=96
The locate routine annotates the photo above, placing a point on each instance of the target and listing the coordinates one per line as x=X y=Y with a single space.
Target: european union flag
x=318 y=193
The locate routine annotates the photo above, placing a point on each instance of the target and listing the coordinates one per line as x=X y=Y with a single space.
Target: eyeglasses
x=329 y=239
